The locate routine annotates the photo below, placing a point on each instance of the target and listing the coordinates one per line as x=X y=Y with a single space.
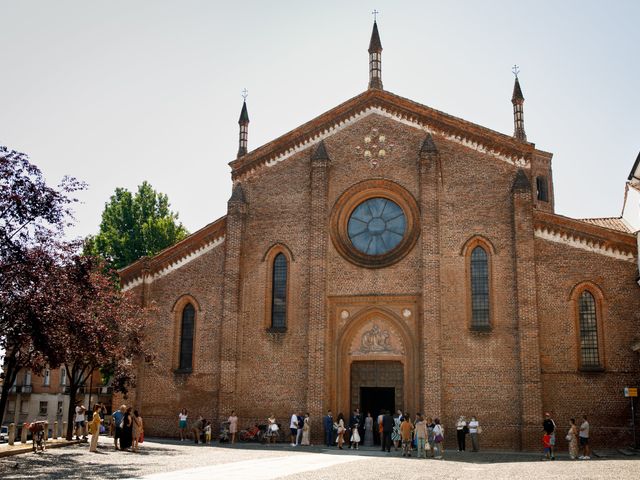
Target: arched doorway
x=376 y=363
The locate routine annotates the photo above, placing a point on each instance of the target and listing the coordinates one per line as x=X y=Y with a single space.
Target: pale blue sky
x=117 y=92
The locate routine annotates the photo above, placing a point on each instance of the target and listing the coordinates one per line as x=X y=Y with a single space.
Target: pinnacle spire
x=517 y=99
x=375 y=58
x=428 y=145
x=244 y=126
x=320 y=152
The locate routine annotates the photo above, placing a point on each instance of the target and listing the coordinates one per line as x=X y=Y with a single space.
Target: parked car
x=4 y=434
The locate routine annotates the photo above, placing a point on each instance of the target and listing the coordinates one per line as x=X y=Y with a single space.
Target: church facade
x=388 y=255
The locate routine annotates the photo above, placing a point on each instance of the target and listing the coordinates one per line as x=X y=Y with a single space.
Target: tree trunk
x=10 y=374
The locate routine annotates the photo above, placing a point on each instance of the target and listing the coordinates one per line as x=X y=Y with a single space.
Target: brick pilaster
x=317 y=403
x=527 y=312
x=236 y=215
x=431 y=362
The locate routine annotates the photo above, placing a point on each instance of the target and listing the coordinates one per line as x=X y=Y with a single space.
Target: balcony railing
x=21 y=389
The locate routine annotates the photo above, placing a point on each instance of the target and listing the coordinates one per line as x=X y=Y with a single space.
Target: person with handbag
x=474 y=430
x=572 y=438
x=138 y=430
x=438 y=439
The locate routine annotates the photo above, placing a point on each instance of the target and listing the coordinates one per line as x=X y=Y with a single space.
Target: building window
x=543 y=191
x=589 y=355
x=63 y=376
x=46 y=379
x=43 y=408
x=186 y=337
x=279 y=293
x=27 y=378
x=480 y=314
x=11 y=406
x=24 y=406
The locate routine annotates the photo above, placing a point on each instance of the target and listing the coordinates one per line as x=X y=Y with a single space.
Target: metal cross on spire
x=375 y=14
x=245 y=94
x=515 y=70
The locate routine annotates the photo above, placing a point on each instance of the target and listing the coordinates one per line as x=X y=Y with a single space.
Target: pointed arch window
x=588 y=317
x=480 y=304
x=187 y=327
x=279 y=293
x=542 y=188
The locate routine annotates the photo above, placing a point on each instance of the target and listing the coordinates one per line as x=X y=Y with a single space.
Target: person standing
x=117 y=417
x=341 y=430
x=306 y=431
x=327 y=422
x=474 y=430
x=79 y=421
x=584 y=439
x=421 y=436
x=430 y=436
x=138 y=430
x=438 y=439
x=126 y=438
x=368 y=430
x=94 y=428
x=272 y=429
x=183 y=416
x=572 y=438
x=461 y=427
x=233 y=426
x=388 y=424
x=405 y=435
x=355 y=437
x=549 y=426
x=395 y=433
x=293 y=428
x=300 y=430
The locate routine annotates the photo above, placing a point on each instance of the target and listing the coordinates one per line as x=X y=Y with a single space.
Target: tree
x=135 y=225
x=104 y=327
x=32 y=220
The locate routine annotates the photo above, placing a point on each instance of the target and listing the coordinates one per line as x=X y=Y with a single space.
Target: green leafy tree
x=135 y=225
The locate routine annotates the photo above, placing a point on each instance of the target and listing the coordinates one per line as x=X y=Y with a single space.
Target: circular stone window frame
x=354 y=196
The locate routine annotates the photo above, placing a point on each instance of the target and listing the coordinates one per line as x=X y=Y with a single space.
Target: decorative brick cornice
x=395 y=107
x=147 y=270
x=585 y=236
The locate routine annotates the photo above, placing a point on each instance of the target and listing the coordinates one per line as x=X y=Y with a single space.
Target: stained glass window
x=279 y=292
x=376 y=226
x=479 y=288
x=588 y=331
x=186 y=337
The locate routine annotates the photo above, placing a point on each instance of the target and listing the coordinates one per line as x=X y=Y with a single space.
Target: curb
x=28 y=448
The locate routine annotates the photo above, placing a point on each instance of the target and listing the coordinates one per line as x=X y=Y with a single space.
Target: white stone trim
x=583 y=244
x=520 y=162
x=174 y=266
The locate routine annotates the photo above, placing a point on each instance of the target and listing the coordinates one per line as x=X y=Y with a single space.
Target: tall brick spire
x=244 y=129
x=517 y=99
x=375 y=59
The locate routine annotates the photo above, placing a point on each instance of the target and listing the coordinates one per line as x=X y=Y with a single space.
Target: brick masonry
x=526 y=364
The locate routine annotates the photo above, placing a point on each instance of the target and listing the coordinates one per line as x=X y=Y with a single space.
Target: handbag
x=479 y=429
x=141 y=438
x=439 y=438
x=102 y=429
x=568 y=437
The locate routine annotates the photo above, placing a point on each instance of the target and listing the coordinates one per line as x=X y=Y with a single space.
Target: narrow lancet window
x=186 y=337
x=279 y=293
x=480 y=318
x=589 y=355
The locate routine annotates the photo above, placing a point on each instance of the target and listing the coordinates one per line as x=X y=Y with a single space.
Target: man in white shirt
x=80 y=421
x=584 y=439
x=293 y=426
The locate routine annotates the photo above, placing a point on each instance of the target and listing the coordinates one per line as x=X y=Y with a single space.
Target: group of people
x=200 y=428
x=420 y=433
x=577 y=438
x=128 y=431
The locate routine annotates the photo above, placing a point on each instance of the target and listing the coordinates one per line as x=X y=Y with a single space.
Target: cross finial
x=245 y=94
x=375 y=14
x=515 y=70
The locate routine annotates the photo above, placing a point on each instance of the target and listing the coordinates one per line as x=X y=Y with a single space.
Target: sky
x=117 y=92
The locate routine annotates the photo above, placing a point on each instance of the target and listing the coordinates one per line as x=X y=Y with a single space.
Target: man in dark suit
x=327 y=421
x=387 y=428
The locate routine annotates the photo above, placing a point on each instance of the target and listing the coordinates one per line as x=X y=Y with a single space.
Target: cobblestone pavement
x=168 y=460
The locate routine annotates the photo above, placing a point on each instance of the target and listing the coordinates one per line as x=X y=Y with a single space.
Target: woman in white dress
x=355 y=436
x=306 y=431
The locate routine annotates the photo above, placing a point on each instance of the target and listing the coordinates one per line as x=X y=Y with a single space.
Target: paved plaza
x=172 y=460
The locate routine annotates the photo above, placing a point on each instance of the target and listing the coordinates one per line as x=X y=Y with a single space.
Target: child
x=355 y=436
x=546 y=442
x=207 y=433
x=405 y=434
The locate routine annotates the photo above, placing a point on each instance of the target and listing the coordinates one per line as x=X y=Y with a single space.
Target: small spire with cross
x=375 y=56
x=375 y=14
x=515 y=70
x=244 y=125
x=517 y=99
x=245 y=94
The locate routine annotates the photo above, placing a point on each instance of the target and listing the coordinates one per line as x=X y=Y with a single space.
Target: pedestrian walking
x=438 y=439
x=183 y=416
x=233 y=426
x=584 y=439
x=368 y=430
x=572 y=438
x=474 y=431
x=94 y=428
